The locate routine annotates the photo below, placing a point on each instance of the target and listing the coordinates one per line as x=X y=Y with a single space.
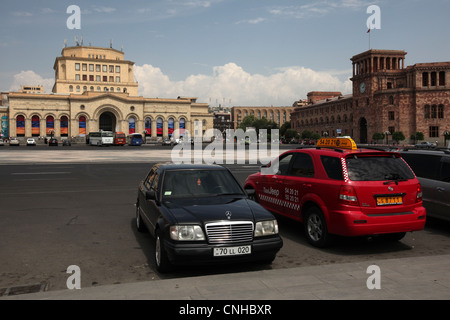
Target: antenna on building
x=76 y=41
x=110 y=43
x=82 y=40
x=65 y=43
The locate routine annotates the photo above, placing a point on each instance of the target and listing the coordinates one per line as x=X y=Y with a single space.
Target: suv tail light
x=419 y=193
x=347 y=195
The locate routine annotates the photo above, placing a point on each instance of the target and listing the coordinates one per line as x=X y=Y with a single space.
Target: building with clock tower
x=387 y=97
x=374 y=71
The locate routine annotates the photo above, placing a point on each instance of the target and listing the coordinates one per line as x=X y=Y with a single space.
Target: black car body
x=52 y=142
x=200 y=214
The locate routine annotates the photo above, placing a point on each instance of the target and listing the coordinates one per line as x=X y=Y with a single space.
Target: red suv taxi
x=336 y=188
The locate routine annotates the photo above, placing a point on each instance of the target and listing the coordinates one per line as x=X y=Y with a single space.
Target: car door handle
x=440 y=189
x=307 y=185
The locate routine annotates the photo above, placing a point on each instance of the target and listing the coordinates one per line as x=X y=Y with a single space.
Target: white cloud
x=30 y=78
x=231 y=82
x=229 y=85
x=252 y=21
x=319 y=8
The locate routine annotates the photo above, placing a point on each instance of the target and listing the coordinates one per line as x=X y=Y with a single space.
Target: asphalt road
x=56 y=215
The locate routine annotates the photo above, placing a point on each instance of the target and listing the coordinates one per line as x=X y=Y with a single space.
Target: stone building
x=95 y=90
x=279 y=115
x=387 y=97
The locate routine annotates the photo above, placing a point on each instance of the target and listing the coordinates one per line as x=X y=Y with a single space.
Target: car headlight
x=186 y=233
x=266 y=228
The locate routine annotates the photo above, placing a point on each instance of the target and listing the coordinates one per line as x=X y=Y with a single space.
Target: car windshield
x=189 y=183
x=377 y=168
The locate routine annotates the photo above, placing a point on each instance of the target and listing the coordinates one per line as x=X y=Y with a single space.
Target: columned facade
x=95 y=89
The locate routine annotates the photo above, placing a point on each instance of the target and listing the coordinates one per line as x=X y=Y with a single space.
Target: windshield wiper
x=393 y=177
x=230 y=194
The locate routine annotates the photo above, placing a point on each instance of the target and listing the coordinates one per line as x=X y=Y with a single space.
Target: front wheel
x=162 y=262
x=316 y=228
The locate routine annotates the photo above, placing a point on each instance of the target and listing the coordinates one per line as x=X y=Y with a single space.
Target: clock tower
x=373 y=70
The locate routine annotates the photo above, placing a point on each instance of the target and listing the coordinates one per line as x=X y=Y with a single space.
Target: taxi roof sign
x=341 y=143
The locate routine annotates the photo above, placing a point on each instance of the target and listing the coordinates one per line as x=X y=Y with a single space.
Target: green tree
x=306 y=134
x=398 y=136
x=419 y=136
x=291 y=134
x=315 y=136
x=286 y=126
x=378 y=136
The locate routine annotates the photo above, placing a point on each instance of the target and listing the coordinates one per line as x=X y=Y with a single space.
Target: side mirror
x=150 y=195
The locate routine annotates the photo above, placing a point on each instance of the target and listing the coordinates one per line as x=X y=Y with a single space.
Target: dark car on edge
x=200 y=214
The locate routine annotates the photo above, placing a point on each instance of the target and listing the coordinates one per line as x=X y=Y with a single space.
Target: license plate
x=232 y=251
x=388 y=201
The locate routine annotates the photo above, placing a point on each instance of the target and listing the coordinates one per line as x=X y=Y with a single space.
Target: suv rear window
x=377 y=168
x=333 y=167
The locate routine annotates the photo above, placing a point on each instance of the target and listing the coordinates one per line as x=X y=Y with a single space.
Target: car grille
x=229 y=232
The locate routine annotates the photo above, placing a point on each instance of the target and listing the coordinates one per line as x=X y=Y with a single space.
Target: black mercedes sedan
x=200 y=214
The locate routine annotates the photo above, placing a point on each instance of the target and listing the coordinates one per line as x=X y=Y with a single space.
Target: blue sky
x=232 y=52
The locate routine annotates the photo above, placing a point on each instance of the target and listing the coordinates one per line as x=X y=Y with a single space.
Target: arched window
x=64 y=126
x=391 y=100
x=71 y=88
x=20 y=126
x=170 y=126
x=35 y=126
x=159 y=127
x=50 y=125
x=182 y=126
x=148 y=127
x=82 y=126
x=131 y=125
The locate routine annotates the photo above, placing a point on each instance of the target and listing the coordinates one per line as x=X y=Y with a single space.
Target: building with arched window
x=95 y=90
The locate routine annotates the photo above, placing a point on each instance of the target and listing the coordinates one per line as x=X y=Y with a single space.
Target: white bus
x=102 y=138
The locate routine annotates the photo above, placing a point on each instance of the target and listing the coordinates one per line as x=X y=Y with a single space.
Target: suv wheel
x=316 y=228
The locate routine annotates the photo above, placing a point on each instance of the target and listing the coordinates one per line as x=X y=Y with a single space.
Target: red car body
x=340 y=191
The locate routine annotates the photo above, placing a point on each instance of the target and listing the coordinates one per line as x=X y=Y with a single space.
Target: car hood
x=219 y=208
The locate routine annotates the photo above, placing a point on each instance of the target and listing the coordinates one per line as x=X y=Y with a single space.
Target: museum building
x=95 y=90
x=387 y=97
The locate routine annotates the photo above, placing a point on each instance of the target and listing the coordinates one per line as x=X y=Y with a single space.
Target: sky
x=224 y=52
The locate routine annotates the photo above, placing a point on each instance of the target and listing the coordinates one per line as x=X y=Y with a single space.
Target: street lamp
x=325 y=134
x=387 y=133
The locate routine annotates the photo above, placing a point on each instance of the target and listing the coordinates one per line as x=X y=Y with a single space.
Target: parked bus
x=102 y=138
x=107 y=138
x=120 y=139
x=95 y=139
x=135 y=139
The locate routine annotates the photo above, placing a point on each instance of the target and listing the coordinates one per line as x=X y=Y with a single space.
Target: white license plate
x=232 y=251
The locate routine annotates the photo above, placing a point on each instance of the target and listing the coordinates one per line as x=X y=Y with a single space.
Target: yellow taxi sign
x=341 y=143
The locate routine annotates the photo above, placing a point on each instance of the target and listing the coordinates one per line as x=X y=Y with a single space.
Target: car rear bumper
x=356 y=223
x=264 y=249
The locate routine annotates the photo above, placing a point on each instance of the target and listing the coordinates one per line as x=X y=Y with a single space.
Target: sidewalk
x=417 y=278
